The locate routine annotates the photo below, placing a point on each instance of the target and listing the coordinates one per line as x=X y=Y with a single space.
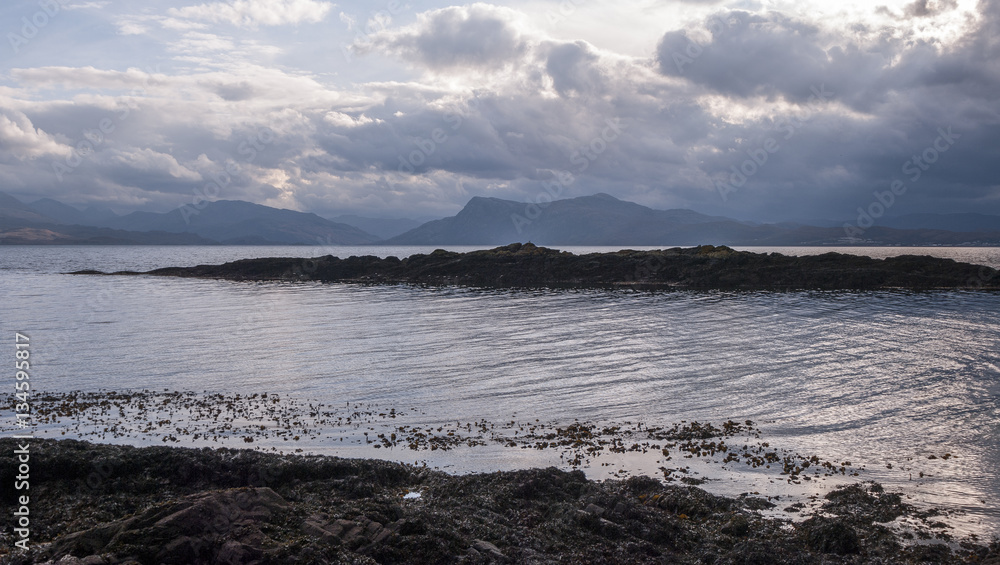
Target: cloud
x=574 y=68
x=348 y=21
x=148 y=161
x=925 y=8
x=76 y=78
x=479 y=36
x=87 y=6
x=21 y=140
x=764 y=55
x=473 y=100
x=132 y=27
x=253 y=13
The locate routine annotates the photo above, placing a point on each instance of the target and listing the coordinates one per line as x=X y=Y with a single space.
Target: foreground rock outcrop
x=529 y=266
x=102 y=504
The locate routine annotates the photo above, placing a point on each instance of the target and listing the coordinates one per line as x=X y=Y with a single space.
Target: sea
x=902 y=386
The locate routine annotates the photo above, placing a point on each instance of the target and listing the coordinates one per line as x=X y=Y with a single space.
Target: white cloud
x=85 y=78
x=131 y=27
x=479 y=35
x=149 y=161
x=87 y=6
x=348 y=20
x=198 y=42
x=21 y=140
x=253 y=13
x=340 y=119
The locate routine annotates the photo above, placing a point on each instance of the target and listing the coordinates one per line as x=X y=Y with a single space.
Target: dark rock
x=212 y=515
x=831 y=535
x=866 y=501
x=485 y=547
x=738 y=526
x=756 y=503
x=528 y=266
x=186 y=531
x=692 y=502
x=316 y=527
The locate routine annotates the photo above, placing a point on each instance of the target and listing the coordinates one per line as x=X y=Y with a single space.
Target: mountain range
x=601 y=219
x=230 y=222
x=594 y=220
x=384 y=228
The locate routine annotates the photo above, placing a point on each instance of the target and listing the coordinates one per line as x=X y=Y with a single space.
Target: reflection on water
x=877 y=378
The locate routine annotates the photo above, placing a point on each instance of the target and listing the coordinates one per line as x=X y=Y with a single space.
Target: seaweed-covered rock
x=215 y=526
x=866 y=501
x=95 y=504
x=831 y=535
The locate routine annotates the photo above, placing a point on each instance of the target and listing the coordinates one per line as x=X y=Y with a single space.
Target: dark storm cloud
x=885 y=112
x=770 y=55
x=493 y=108
x=235 y=91
x=920 y=8
x=924 y=8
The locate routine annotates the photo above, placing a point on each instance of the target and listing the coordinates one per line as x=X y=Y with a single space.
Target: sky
x=767 y=110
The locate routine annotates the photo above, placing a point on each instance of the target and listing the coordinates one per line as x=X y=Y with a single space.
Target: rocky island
x=528 y=266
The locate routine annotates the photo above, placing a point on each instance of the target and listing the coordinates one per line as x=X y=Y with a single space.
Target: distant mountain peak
x=602 y=219
x=14 y=209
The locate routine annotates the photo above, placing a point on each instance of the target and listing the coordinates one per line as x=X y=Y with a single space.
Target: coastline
x=112 y=504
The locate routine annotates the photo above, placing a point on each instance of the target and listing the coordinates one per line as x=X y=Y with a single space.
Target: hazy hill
x=947 y=222
x=384 y=228
x=13 y=210
x=21 y=224
x=232 y=222
x=90 y=235
x=224 y=221
x=588 y=220
x=594 y=220
x=66 y=214
x=238 y=222
x=604 y=220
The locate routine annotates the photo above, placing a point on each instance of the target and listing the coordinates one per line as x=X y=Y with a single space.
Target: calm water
x=877 y=378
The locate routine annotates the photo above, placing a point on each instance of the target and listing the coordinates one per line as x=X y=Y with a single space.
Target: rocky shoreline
x=94 y=504
x=528 y=266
